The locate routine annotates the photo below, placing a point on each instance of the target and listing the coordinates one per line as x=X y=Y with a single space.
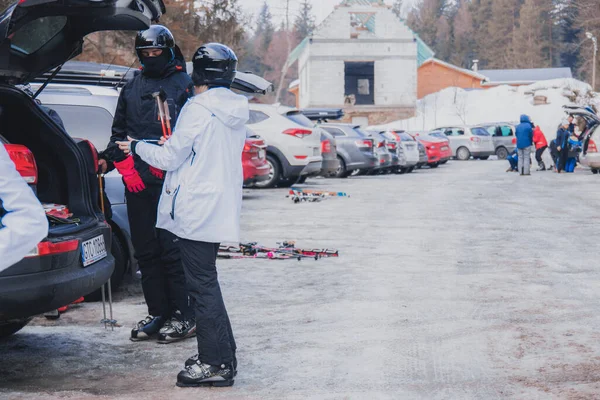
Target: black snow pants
x=538 y=156
x=157 y=253
x=216 y=344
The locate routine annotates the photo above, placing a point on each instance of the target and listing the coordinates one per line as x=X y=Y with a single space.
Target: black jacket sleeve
x=119 y=130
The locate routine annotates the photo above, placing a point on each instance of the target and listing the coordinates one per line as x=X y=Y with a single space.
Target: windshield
x=438 y=134
x=405 y=137
x=300 y=119
x=361 y=133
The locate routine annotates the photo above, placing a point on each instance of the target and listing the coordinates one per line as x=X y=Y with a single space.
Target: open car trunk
x=63 y=170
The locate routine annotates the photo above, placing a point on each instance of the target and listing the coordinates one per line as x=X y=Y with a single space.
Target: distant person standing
x=562 y=141
x=573 y=149
x=524 y=136
x=541 y=144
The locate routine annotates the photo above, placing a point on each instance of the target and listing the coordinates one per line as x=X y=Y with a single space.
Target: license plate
x=444 y=148
x=316 y=151
x=93 y=250
x=262 y=154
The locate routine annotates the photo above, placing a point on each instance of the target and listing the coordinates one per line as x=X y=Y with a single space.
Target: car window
x=86 y=122
x=405 y=137
x=480 y=132
x=256 y=117
x=361 y=133
x=506 y=131
x=454 y=132
x=493 y=130
x=34 y=35
x=300 y=119
x=334 y=131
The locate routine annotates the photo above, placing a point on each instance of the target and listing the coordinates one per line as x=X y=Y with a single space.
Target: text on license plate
x=444 y=148
x=93 y=250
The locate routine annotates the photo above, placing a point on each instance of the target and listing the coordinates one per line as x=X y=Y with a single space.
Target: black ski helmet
x=214 y=65
x=155 y=37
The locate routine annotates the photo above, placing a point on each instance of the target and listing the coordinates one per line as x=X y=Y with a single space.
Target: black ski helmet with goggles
x=214 y=66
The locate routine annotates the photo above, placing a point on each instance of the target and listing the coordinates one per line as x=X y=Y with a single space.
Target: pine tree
x=569 y=34
x=463 y=52
x=424 y=19
x=304 y=24
x=498 y=51
x=531 y=38
x=264 y=27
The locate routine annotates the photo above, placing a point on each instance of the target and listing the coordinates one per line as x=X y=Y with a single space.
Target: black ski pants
x=216 y=344
x=157 y=253
x=538 y=155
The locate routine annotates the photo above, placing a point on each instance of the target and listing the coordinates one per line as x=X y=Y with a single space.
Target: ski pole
x=163 y=97
x=101 y=187
x=161 y=111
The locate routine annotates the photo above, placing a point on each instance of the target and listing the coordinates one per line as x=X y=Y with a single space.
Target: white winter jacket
x=202 y=194
x=25 y=223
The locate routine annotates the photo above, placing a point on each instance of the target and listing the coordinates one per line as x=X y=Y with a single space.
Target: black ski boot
x=194 y=359
x=200 y=374
x=175 y=329
x=147 y=328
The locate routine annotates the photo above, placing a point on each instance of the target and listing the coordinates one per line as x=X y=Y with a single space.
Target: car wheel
x=118 y=252
x=274 y=174
x=595 y=171
x=11 y=327
x=301 y=179
x=434 y=165
x=341 y=171
x=410 y=170
x=502 y=153
x=401 y=170
x=463 y=154
x=444 y=162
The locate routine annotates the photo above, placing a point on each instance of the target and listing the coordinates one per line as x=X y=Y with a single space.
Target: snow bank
x=455 y=106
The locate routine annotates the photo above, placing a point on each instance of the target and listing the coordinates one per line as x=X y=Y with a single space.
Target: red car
x=437 y=146
x=254 y=161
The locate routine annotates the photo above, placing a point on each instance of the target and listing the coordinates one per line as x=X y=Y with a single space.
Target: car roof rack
x=89 y=73
x=323 y=114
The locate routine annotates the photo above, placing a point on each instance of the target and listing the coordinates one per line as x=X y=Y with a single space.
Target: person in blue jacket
x=573 y=149
x=562 y=141
x=524 y=134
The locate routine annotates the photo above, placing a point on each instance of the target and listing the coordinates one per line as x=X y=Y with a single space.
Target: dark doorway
x=360 y=82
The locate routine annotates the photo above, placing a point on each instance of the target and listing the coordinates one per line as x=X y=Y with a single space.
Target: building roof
x=362 y=2
x=424 y=52
x=504 y=76
x=477 y=75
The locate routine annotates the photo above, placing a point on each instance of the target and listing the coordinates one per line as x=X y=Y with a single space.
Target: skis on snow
x=285 y=251
x=311 y=196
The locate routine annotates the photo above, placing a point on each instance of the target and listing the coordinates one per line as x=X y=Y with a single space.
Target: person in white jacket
x=23 y=222
x=201 y=202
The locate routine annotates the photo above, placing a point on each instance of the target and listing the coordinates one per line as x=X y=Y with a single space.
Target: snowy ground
x=457 y=107
x=464 y=282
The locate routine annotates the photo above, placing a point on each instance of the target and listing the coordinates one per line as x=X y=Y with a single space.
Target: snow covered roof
x=520 y=76
x=362 y=2
x=454 y=67
x=294 y=84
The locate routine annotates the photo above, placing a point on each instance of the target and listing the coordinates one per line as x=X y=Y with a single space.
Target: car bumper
x=366 y=162
x=26 y=295
x=311 y=169
x=256 y=174
x=329 y=166
x=591 y=160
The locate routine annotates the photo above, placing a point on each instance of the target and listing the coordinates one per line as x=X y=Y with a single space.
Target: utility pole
x=285 y=66
x=594 y=39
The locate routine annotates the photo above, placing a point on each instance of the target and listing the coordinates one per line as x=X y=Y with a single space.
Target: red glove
x=132 y=179
x=159 y=173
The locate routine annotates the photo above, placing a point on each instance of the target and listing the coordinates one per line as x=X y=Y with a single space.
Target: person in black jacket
x=562 y=145
x=156 y=250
